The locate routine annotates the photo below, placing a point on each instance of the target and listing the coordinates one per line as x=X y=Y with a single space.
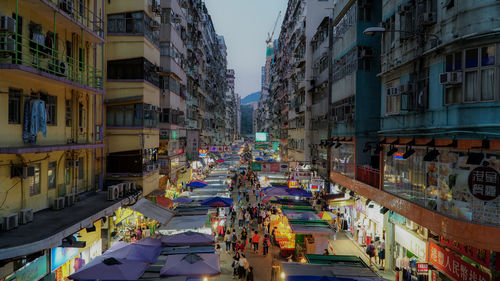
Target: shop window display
x=343 y=160
x=458 y=183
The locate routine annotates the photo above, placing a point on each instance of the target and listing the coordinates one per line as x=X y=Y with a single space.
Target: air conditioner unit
x=7 y=24
x=69 y=199
x=121 y=190
x=10 y=221
x=7 y=46
x=450 y=78
x=25 y=216
x=405 y=88
x=133 y=186
x=58 y=203
x=66 y=6
x=126 y=188
x=113 y=192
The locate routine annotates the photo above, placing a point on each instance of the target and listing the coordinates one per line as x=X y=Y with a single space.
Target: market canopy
x=136 y=252
x=327 y=216
x=149 y=241
x=181 y=223
x=196 y=184
x=150 y=210
x=191 y=265
x=217 y=202
x=164 y=201
x=182 y=200
x=187 y=238
x=106 y=268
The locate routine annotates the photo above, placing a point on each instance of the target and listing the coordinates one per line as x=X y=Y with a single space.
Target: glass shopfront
x=343 y=159
x=456 y=183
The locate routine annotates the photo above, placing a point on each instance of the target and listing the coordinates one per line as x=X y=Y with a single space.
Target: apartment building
x=173 y=87
x=52 y=152
x=133 y=92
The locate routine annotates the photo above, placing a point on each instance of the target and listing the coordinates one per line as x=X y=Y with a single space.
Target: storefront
x=125 y=224
x=65 y=261
x=368 y=222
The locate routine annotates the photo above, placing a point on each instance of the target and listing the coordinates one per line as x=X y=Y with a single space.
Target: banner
x=266 y=167
x=256 y=167
x=275 y=167
x=480 y=256
x=301 y=175
x=453 y=266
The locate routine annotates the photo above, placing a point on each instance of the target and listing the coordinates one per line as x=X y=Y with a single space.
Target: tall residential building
x=51 y=143
x=173 y=87
x=133 y=92
x=292 y=78
x=231 y=132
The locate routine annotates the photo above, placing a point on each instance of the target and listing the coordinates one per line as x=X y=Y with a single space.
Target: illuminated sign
x=260 y=136
x=61 y=255
x=398 y=156
x=202 y=152
x=293 y=184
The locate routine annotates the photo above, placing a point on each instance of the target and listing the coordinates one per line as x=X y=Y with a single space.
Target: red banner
x=480 y=256
x=275 y=167
x=454 y=266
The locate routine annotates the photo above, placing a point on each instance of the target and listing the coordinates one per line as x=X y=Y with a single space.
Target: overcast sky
x=244 y=25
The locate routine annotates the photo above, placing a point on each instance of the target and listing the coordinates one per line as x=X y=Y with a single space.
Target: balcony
x=27 y=55
x=73 y=16
x=368 y=175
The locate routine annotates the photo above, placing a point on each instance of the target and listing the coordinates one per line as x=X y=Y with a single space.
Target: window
x=51 y=108
x=136 y=23
x=80 y=168
x=69 y=113
x=34 y=180
x=166 y=15
x=364 y=13
x=51 y=175
x=392 y=99
x=478 y=69
x=133 y=69
x=15 y=106
x=132 y=115
x=82 y=116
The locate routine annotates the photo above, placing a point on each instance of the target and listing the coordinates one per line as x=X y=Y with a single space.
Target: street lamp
x=378 y=29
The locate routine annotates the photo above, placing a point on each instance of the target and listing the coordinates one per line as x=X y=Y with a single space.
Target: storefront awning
x=181 y=223
x=151 y=210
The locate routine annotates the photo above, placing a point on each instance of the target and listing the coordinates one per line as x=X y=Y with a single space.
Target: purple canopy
x=116 y=246
x=187 y=238
x=136 y=252
x=277 y=191
x=191 y=265
x=150 y=241
x=182 y=200
x=105 y=268
x=299 y=192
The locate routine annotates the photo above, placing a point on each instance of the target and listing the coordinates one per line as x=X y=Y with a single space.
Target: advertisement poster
x=453 y=266
x=466 y=191
x=275 y=167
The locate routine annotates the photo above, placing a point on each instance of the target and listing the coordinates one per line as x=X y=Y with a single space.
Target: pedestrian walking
x=236 y=264
x=243 y=266
x=244 y=235
x=247 y=218
x=240 y=218
x=265 y=244
x=250 y=274
x=227 y=239
x=370 y=250
x=234 y=239
x=255 y=241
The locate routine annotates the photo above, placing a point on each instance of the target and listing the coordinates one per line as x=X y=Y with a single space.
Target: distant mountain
x=253 y=97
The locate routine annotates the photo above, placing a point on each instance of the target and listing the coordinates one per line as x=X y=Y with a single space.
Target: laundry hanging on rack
x=35 y=120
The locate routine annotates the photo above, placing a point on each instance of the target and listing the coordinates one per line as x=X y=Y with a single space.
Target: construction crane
x=270 y=36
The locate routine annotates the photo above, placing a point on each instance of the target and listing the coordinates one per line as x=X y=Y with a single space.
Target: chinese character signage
x=422 y=267
x=453 y=266
x=483 y=183
x=301 y=175
x=479 y=255
x=293 y=184
x=275 y=167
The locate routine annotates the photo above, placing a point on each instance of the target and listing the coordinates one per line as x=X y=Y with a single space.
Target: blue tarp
x=196 y=184
x=217 y=202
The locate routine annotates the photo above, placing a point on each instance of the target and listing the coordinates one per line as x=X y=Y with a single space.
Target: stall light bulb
x=283 y=275
x=205 y=279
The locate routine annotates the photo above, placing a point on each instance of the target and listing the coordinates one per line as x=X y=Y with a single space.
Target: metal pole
x=330 y=86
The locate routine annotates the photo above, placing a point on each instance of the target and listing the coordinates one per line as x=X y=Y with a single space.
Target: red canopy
x=164 y=201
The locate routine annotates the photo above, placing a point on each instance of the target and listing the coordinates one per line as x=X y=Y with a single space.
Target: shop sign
x=261 y=146
x=411 y=242
x=301 y=175
x=484 y=183
x=283 y=168
x=480 y=256
x=422 y=268
x=453 y=266
x=31 y=271
x=293 y=184
x=275 y=167
x=256 y=167
x=60 y=255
